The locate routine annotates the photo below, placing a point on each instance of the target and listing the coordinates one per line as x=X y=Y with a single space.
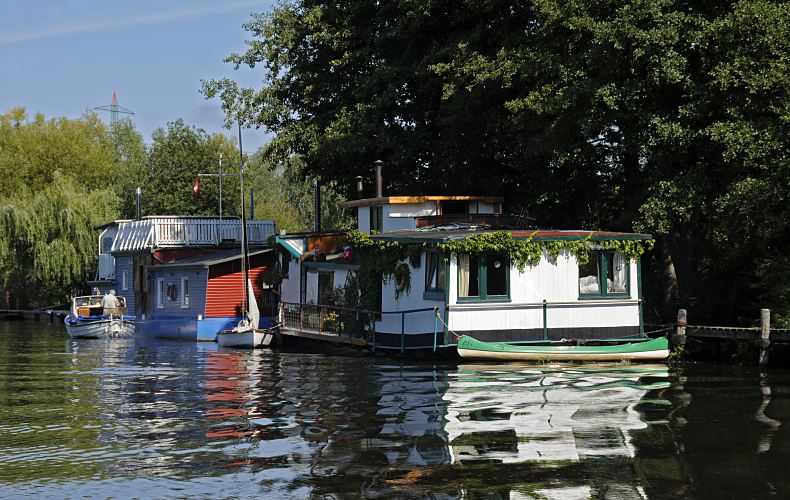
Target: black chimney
x=379 y=189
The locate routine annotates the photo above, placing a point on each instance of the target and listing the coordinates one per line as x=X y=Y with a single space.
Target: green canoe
x=647 y=350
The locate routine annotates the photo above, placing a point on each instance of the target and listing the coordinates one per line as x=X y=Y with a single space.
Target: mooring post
x=679 y=338
x=764 y=342
x=435 y=325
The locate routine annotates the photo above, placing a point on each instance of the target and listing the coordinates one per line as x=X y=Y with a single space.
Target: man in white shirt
x=110 y=301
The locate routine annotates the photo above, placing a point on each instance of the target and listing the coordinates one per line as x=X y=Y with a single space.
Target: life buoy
x=171 y=291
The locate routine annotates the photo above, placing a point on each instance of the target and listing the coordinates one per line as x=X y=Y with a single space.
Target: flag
x=196 y=188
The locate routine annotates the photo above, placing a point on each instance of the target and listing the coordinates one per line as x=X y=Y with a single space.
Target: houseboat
x=182 y=276
x=465 y=270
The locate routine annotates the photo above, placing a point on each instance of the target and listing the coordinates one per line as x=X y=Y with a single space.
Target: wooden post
x=679 y=338
x=764 y=341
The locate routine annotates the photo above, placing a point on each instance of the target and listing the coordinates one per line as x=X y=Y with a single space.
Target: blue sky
x=60 y=58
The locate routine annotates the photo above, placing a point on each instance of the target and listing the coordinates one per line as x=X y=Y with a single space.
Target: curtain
x=463 y=275
x=619 y=263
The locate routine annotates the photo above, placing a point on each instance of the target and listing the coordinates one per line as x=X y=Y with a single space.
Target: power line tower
x=115 y=109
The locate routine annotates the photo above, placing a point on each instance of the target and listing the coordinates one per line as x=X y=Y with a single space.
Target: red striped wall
x=225 y=282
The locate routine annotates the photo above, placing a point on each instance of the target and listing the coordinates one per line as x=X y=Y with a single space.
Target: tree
x=669 y=117
x=283 y=196
x=176 y=157
x=48 y=240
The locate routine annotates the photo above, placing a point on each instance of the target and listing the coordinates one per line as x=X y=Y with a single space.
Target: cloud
x=71 y=27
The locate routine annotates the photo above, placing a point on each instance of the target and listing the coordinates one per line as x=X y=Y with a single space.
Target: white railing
x=169 y=232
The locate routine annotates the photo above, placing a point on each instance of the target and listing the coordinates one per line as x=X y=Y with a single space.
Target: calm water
x=122 y=418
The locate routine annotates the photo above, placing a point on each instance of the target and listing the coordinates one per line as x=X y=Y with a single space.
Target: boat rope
x=667 y=329
x=446 y=325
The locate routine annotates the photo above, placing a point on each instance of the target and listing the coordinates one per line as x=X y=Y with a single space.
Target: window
x=160 y=296
x=184 y=293
x=376 y=219
x=106 y=244
x=606 y=267
x=124 y=282
x=434 y=271
x=483 y=277
x=285 y=264
x=326 y=285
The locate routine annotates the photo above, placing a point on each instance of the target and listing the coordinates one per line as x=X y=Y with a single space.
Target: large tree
x=177 y=155
x=665 y=116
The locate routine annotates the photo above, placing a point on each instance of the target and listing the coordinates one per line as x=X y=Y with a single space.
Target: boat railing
x=336 y=321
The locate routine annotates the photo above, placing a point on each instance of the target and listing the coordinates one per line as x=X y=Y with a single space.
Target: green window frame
x=376 y=219
x=483 y=277
x=605 y=266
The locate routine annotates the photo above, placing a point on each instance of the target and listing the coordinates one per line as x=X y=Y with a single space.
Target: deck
x=180 y=232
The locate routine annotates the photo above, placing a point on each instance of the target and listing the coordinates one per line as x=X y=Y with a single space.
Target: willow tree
x=48 y=242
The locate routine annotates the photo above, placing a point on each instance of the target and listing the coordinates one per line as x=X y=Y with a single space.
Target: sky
x=63 y=57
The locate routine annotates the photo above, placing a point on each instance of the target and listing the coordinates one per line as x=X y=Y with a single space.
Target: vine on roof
x=388 y=259
x=383 y=261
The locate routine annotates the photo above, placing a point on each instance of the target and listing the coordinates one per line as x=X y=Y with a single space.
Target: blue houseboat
x=182 y=276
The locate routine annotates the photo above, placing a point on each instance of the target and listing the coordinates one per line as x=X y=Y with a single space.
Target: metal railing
x=335 y=321
x=163 y=232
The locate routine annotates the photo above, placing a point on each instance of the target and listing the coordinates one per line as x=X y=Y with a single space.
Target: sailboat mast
x=244 y=256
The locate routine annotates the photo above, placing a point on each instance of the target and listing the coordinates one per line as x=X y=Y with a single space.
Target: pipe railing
x=338 y=320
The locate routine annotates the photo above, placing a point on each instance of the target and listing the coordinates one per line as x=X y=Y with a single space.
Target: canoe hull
x=650 y=350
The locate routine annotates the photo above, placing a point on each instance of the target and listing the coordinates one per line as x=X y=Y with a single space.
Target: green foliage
x=48 y=240
x=524 y=252
x=666 y=116
x=282 y=194
x=382 y=261
x=177 y=156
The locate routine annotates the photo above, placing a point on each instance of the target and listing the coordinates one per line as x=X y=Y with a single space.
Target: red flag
x=196 y=188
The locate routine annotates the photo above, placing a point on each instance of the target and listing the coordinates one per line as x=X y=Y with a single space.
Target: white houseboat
x=450 y=292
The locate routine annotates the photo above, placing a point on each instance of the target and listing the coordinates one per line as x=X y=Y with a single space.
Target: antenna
x=115 y=109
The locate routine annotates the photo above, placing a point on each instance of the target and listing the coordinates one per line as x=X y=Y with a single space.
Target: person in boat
x=110 y=301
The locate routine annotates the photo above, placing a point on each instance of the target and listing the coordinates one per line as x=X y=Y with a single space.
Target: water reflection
x=174 y=419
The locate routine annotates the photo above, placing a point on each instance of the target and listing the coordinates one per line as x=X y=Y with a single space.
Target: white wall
x=417 y=322
x=553 y=282
x=290 y=286
x=363 y=219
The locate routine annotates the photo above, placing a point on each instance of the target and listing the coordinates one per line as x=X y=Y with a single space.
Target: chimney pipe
x=137 y=193
x=379 y=189
x=359 y=187
x=316 y=206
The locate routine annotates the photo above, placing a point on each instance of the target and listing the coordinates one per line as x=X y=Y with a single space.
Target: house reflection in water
x=519 y=413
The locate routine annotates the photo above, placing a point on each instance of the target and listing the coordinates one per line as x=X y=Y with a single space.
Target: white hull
x=249 y=339
x=100 y=328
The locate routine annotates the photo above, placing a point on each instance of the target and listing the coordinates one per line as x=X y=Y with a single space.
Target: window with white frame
x=124 y=281
x=160 y=293
x=184 y=293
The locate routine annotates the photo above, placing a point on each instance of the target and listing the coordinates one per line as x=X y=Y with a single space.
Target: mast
x=244 y=255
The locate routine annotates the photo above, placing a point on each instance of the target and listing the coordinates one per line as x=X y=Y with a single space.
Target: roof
x=402 y=200
x=209 y=259
x=447 y=233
